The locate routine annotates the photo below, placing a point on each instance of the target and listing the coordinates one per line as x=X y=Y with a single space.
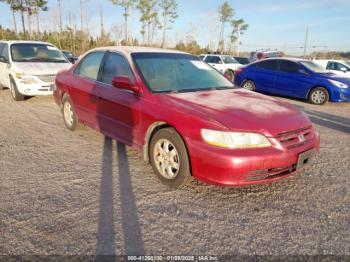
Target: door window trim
x=77 y=68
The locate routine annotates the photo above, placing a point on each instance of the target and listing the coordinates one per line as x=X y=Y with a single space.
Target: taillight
x=239 y=70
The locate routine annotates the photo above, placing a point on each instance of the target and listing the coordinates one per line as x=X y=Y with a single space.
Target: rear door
x=291 y=81
x=264 y=76
x=83 y=88
x=118 y=109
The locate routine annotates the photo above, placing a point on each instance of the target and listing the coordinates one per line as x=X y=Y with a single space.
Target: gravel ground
x=69 y=193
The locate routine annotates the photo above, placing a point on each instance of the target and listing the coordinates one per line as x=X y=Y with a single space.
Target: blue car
x=294 y=78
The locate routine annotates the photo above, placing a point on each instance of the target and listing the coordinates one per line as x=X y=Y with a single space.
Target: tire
x=16 y=95
x=230 y=75
x=319 y=96
x=169 y=158
x=249 y=85
x=69 y=116
x=1 y=87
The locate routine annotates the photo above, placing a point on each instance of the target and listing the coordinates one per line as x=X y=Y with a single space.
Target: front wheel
x=16 y=95
x=169 y=158
x=230 y=75
x=319 y=96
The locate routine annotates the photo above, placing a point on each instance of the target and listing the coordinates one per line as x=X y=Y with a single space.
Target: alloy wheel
x=318 y=97
x=68 y=113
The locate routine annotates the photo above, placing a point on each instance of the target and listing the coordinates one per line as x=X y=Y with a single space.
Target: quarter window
x=90 y=65
x=115 y=65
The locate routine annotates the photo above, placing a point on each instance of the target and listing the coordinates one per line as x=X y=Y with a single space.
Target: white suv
x=338 y=67
x=223 y=63
x=29 y=68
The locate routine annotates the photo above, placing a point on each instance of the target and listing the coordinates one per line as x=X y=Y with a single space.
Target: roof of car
x=25 y=42
x=134 y=49
x=295 y=59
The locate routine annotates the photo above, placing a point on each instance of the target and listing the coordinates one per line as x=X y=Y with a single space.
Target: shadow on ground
x=106 y=233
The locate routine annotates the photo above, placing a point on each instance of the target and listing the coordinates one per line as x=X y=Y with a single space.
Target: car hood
x=40 y=68
x=242 y=110
x=342 y=78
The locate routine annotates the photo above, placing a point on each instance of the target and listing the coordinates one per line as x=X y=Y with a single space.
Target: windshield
x=36 y=53
x=314 y=67
x=229 y=60
x=168 y=72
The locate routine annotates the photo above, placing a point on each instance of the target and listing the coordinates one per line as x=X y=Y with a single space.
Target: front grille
x=47 y=78
x=295 y=138
x=271 y=173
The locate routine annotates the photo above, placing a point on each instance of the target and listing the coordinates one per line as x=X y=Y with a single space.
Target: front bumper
x=231 y=168
x=341 y=95
x=41 y=88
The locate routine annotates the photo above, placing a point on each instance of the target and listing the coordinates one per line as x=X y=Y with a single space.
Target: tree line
x=156 y=17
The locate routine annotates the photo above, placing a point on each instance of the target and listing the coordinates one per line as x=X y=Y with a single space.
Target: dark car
x=242 y=60
x=294 y=78
x=70 y=56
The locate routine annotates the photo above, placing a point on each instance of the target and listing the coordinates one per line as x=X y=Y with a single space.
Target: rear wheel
x=16 y=95
x=249 y=85
x=319 y=96
x=169 y=158
x=69 y=115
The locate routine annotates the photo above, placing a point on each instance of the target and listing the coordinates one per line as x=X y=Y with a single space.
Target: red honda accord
x=189 y=120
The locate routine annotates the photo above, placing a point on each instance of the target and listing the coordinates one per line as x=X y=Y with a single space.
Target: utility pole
x=59 y=14
x=306 y=39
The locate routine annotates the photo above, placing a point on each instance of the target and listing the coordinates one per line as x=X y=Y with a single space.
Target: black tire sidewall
x=324 y=90
x=66 y=99
x=184 y=175
x=18 y=96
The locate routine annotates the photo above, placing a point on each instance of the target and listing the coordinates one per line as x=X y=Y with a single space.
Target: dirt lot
x=68 y=193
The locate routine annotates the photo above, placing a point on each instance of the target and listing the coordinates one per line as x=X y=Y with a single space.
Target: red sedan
x=189 y=120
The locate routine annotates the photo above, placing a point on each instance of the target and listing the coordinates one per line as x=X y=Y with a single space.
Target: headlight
x=234 y=139
x=338 y=84
x=26 y=79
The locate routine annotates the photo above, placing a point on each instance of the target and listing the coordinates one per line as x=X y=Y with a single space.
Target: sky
x=272 y=24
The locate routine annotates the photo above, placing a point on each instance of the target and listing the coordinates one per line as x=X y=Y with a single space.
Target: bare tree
x=238 y=28
x=169 y=14
x=148 y=16
x=127 y=5
x=226 y=12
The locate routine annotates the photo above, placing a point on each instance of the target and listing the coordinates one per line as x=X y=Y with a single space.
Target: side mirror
x=124 y=82
x=3 y=59
x=302 y=71
x=343 y=69
x=72 y=60
x=219 y=62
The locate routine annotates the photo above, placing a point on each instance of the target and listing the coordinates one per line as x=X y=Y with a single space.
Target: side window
x=267 y=64
x=115 y=65
x=209 y=59
x=217 y=60
x=331 y=66
x=4 y=52
x=90 y=65
x=289 y=67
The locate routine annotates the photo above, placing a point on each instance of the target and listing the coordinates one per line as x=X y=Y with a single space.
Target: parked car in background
x=294 y=78
x=338 y=67
x=188 y=118
x=29 y=68
x=225 y=64
x=242 y=60
x=260 y=55
x=69 y=55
